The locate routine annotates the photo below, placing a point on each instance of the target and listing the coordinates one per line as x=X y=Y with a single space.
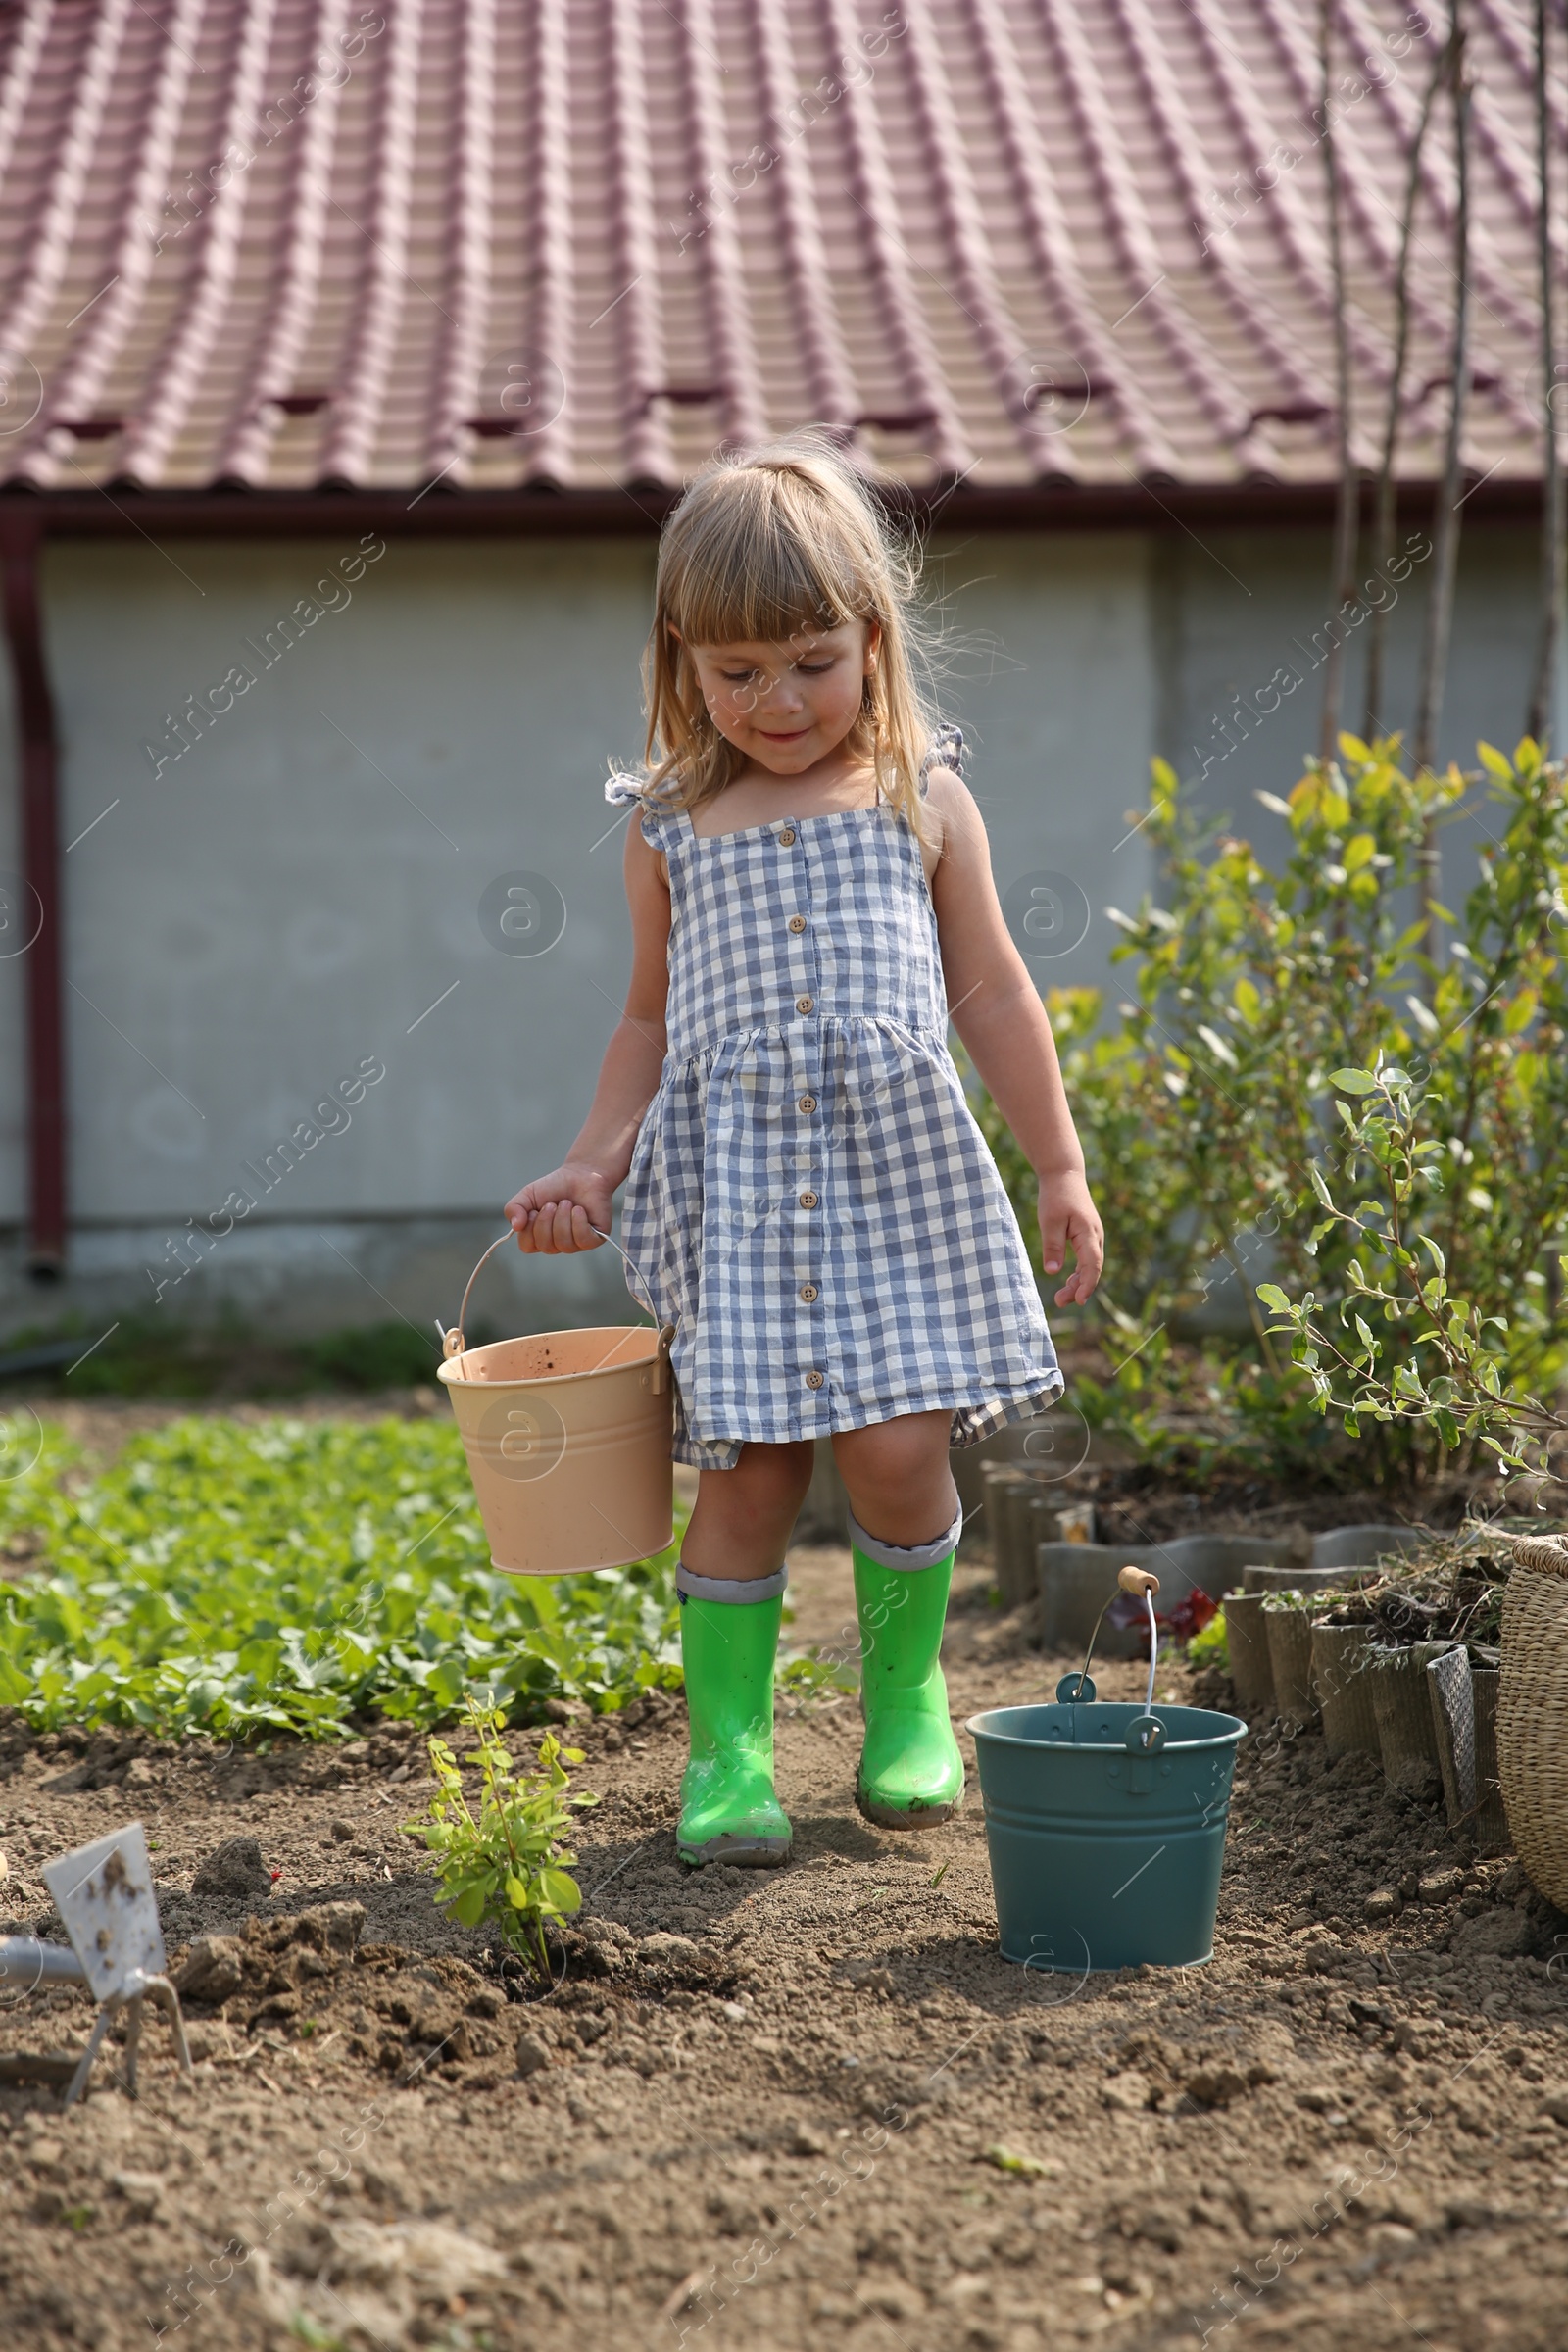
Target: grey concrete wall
x=1050 y=669
x=299 y=897
x=296 y=897
x=1234 y=611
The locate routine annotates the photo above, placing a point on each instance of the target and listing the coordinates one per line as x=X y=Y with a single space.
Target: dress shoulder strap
x=627 y=791
x=946 y=750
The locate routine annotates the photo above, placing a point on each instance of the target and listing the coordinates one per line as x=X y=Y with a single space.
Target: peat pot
x=1105 y=1830
x=1018 y=1505
x=1289 y=1657
x=1407 y=1737
x=1464 y=1716
x=1341 y=1676
x=1246 y=1642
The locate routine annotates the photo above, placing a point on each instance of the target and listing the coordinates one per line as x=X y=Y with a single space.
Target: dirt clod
x=235 y=1871
x=214 y=1969
x=531 y=2055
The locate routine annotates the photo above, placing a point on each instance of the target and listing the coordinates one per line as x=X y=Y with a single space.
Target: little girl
x=806 y=1192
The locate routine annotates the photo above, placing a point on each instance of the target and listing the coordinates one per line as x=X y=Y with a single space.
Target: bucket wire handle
x=452 y=1343
x=1143 y=1583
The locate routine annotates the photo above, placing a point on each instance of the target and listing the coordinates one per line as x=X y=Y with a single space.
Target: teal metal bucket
x=1106 y=1824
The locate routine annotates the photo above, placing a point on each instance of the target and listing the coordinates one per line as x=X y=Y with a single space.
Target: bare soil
x=793 y=2108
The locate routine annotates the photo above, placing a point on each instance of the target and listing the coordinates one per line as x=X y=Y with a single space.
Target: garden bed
x=791 y=2108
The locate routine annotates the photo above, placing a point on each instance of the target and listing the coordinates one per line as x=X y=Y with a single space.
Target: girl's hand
x=1069 y=1220
x=555 y=1214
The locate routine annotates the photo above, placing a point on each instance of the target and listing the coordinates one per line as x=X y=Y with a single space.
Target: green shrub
x=1402 y=1347
x=150 y=1356
x=1209 y=1113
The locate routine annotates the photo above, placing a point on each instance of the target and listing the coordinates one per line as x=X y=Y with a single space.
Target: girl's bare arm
x=997 y=1012
x=556 y=1213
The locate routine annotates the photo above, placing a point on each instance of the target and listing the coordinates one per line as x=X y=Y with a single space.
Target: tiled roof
x=577 y=243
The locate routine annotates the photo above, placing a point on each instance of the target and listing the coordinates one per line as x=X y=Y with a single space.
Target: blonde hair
x=766 y=544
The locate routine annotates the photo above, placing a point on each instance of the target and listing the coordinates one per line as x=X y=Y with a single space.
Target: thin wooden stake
x=1554 y=487
x=1446 y=535
x=1347 y=505
x=1382 y=516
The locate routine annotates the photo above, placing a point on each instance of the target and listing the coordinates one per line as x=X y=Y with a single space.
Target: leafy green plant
x=1205 y=1112
x=1210 y=1646
x=510 y=1865
x=1435 y=1359
x=237 y=1577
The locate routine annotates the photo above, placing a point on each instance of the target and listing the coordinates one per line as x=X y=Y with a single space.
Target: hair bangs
x=768 y=546
x=753 y=575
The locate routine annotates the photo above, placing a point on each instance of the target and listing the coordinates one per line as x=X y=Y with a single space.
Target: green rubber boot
x=910 y=1769
x=728 y=1811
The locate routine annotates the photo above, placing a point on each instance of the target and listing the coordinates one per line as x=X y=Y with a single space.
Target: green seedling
x=508 y=1866
x=942 y=1873
x=1009 y=2160
x=307 y=2331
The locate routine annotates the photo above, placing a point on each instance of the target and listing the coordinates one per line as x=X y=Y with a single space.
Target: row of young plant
x=1348 y=1097
x=288 y=1576
x=294 y=1575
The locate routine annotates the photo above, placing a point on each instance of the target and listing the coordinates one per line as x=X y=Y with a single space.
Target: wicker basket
x=1533 y=1711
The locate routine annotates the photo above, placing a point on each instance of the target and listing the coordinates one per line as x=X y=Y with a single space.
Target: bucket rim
x=979 y=1727
x=548 y=1576
x=447 y=1371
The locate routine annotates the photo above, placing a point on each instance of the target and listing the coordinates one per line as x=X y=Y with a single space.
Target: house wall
x=299 y=897
x=286 y=925
x=1239 y=609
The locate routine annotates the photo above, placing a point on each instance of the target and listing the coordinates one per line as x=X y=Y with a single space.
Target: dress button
x=796 y=922
x=807 y=1102
x=813 y=1380
x=787 y=838
x=804 y=1003
x=808 y=1291
x=808 y=1200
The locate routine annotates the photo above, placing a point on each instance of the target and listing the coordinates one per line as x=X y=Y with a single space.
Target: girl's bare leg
x=901 y=1488
x=741 y=1519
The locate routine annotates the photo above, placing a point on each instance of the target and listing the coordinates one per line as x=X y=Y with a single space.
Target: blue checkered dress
x=810 y=1196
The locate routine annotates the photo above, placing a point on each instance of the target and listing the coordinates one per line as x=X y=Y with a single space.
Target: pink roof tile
x=576 y=244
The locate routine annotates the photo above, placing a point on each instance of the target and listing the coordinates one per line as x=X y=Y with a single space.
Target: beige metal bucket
x=567 y=1435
